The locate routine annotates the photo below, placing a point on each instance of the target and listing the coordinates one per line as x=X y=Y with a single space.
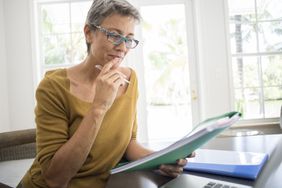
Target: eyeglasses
x=117 y=39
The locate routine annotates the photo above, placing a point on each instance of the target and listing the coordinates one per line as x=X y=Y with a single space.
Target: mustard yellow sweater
x=59 y=113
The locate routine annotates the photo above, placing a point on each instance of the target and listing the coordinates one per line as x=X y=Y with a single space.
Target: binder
x=245 y=165
x=201 y=134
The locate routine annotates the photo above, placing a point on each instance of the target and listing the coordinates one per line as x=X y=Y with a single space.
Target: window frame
x=189 y=13
x=40 y=67
x=246 y=122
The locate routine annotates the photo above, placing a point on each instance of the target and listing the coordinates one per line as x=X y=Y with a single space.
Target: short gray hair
x=100 y=9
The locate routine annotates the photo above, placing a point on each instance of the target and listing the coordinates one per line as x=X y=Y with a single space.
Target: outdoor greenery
x=257 y=78
x=61 y=47
x=169 y=63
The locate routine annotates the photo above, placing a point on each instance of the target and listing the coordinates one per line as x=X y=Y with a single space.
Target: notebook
x=245 y=165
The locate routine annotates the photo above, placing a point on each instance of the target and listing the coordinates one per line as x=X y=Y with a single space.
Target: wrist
x=100 y=107
x=98 y=112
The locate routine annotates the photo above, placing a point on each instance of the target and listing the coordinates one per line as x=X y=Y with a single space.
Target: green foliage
x=61 y=48
x=47 y=25
x=247 y=72
x=272 y=75
x=239 y=106
x=169 y=63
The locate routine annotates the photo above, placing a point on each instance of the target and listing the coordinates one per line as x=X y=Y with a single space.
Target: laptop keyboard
x=217 y=185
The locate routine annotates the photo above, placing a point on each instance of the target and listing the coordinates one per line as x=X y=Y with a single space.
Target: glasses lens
x=134 y=43
x=117 y=39
x=131 y=43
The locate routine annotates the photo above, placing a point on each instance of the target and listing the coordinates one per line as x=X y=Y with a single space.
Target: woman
x=86 y=114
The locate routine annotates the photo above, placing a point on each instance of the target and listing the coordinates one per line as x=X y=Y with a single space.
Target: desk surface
x=270 y=177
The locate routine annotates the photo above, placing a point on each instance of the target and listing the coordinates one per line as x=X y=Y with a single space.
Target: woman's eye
x=114 y=36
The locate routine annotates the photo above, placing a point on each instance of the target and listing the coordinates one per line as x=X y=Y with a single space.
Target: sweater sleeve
x=135 y=96
x=134 y=130
x=51 y=121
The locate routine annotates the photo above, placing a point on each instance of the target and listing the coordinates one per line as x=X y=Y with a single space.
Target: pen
x=99 y=67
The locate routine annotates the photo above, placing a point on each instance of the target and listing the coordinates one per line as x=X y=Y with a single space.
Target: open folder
x=245 y=165
x=201 y=134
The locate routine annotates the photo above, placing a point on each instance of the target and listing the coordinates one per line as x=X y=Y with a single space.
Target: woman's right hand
x=107 y=84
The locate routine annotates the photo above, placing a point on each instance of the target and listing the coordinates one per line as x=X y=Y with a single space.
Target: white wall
x=17 y=87
x=4 y=108
x=19 y=63
x=212 y=55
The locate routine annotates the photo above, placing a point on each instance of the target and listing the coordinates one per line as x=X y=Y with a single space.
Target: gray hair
x=100 y=9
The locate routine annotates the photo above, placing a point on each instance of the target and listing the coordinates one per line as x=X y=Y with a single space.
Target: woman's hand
x=107 y=84
x=174 y=170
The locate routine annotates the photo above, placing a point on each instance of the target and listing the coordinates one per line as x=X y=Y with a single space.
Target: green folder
x=200 y=135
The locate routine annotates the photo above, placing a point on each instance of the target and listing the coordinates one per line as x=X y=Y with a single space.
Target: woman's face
x=103 y=50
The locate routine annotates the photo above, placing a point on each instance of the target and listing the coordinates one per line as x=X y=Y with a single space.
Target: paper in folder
x=245 y=165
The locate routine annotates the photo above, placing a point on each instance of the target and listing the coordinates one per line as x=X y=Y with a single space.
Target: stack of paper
x=230 y=163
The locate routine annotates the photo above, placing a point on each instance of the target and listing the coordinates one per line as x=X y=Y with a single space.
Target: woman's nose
x=122 y=46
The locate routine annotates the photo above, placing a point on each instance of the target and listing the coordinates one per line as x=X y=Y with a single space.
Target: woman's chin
x=116 y=65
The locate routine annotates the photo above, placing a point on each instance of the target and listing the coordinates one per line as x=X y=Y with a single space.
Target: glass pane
x=166 y=71
x=245 y=72
x=79 y=49
x=247 y=36
x=272 y=70
x=247 y=102
x=273 y=101
x=55 y=18
x=56 y=49
x=245 y=9
x=78 y=15
x=269 y=9
x=243 y=38
x=270 y=35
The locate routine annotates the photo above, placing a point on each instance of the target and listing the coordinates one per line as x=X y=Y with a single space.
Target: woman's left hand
x=174 y=170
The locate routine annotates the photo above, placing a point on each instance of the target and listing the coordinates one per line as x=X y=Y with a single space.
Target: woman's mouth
x=116 y=57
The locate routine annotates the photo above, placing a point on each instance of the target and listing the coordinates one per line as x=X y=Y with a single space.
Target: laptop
x=192 y=181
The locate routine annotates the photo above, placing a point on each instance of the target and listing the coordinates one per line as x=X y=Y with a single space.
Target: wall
x=212 y=55
x=4 y=108
x=19 y=63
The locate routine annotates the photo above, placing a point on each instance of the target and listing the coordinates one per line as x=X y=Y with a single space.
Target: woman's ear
x=87 y=34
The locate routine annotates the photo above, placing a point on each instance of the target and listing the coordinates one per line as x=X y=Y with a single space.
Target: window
x=256 y=48
x=61 y=35
x=166 y=69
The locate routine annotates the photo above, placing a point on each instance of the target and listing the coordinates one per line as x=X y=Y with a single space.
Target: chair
x=17 y=150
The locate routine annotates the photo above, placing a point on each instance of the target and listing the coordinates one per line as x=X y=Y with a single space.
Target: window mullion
x=260 y=74
x=71 y=40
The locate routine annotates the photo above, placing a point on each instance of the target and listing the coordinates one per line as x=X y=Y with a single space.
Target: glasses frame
x=122 y=38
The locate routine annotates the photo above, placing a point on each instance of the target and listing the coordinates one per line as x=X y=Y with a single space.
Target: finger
x=119 y=81
x=111 y=72
x=171 y=169
x=181 y=162
x=109 y=65
x=113 y=78
x=193 y=154
x=169 y=174
x=177 y=169
x=115 y=66
x=163 y=173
